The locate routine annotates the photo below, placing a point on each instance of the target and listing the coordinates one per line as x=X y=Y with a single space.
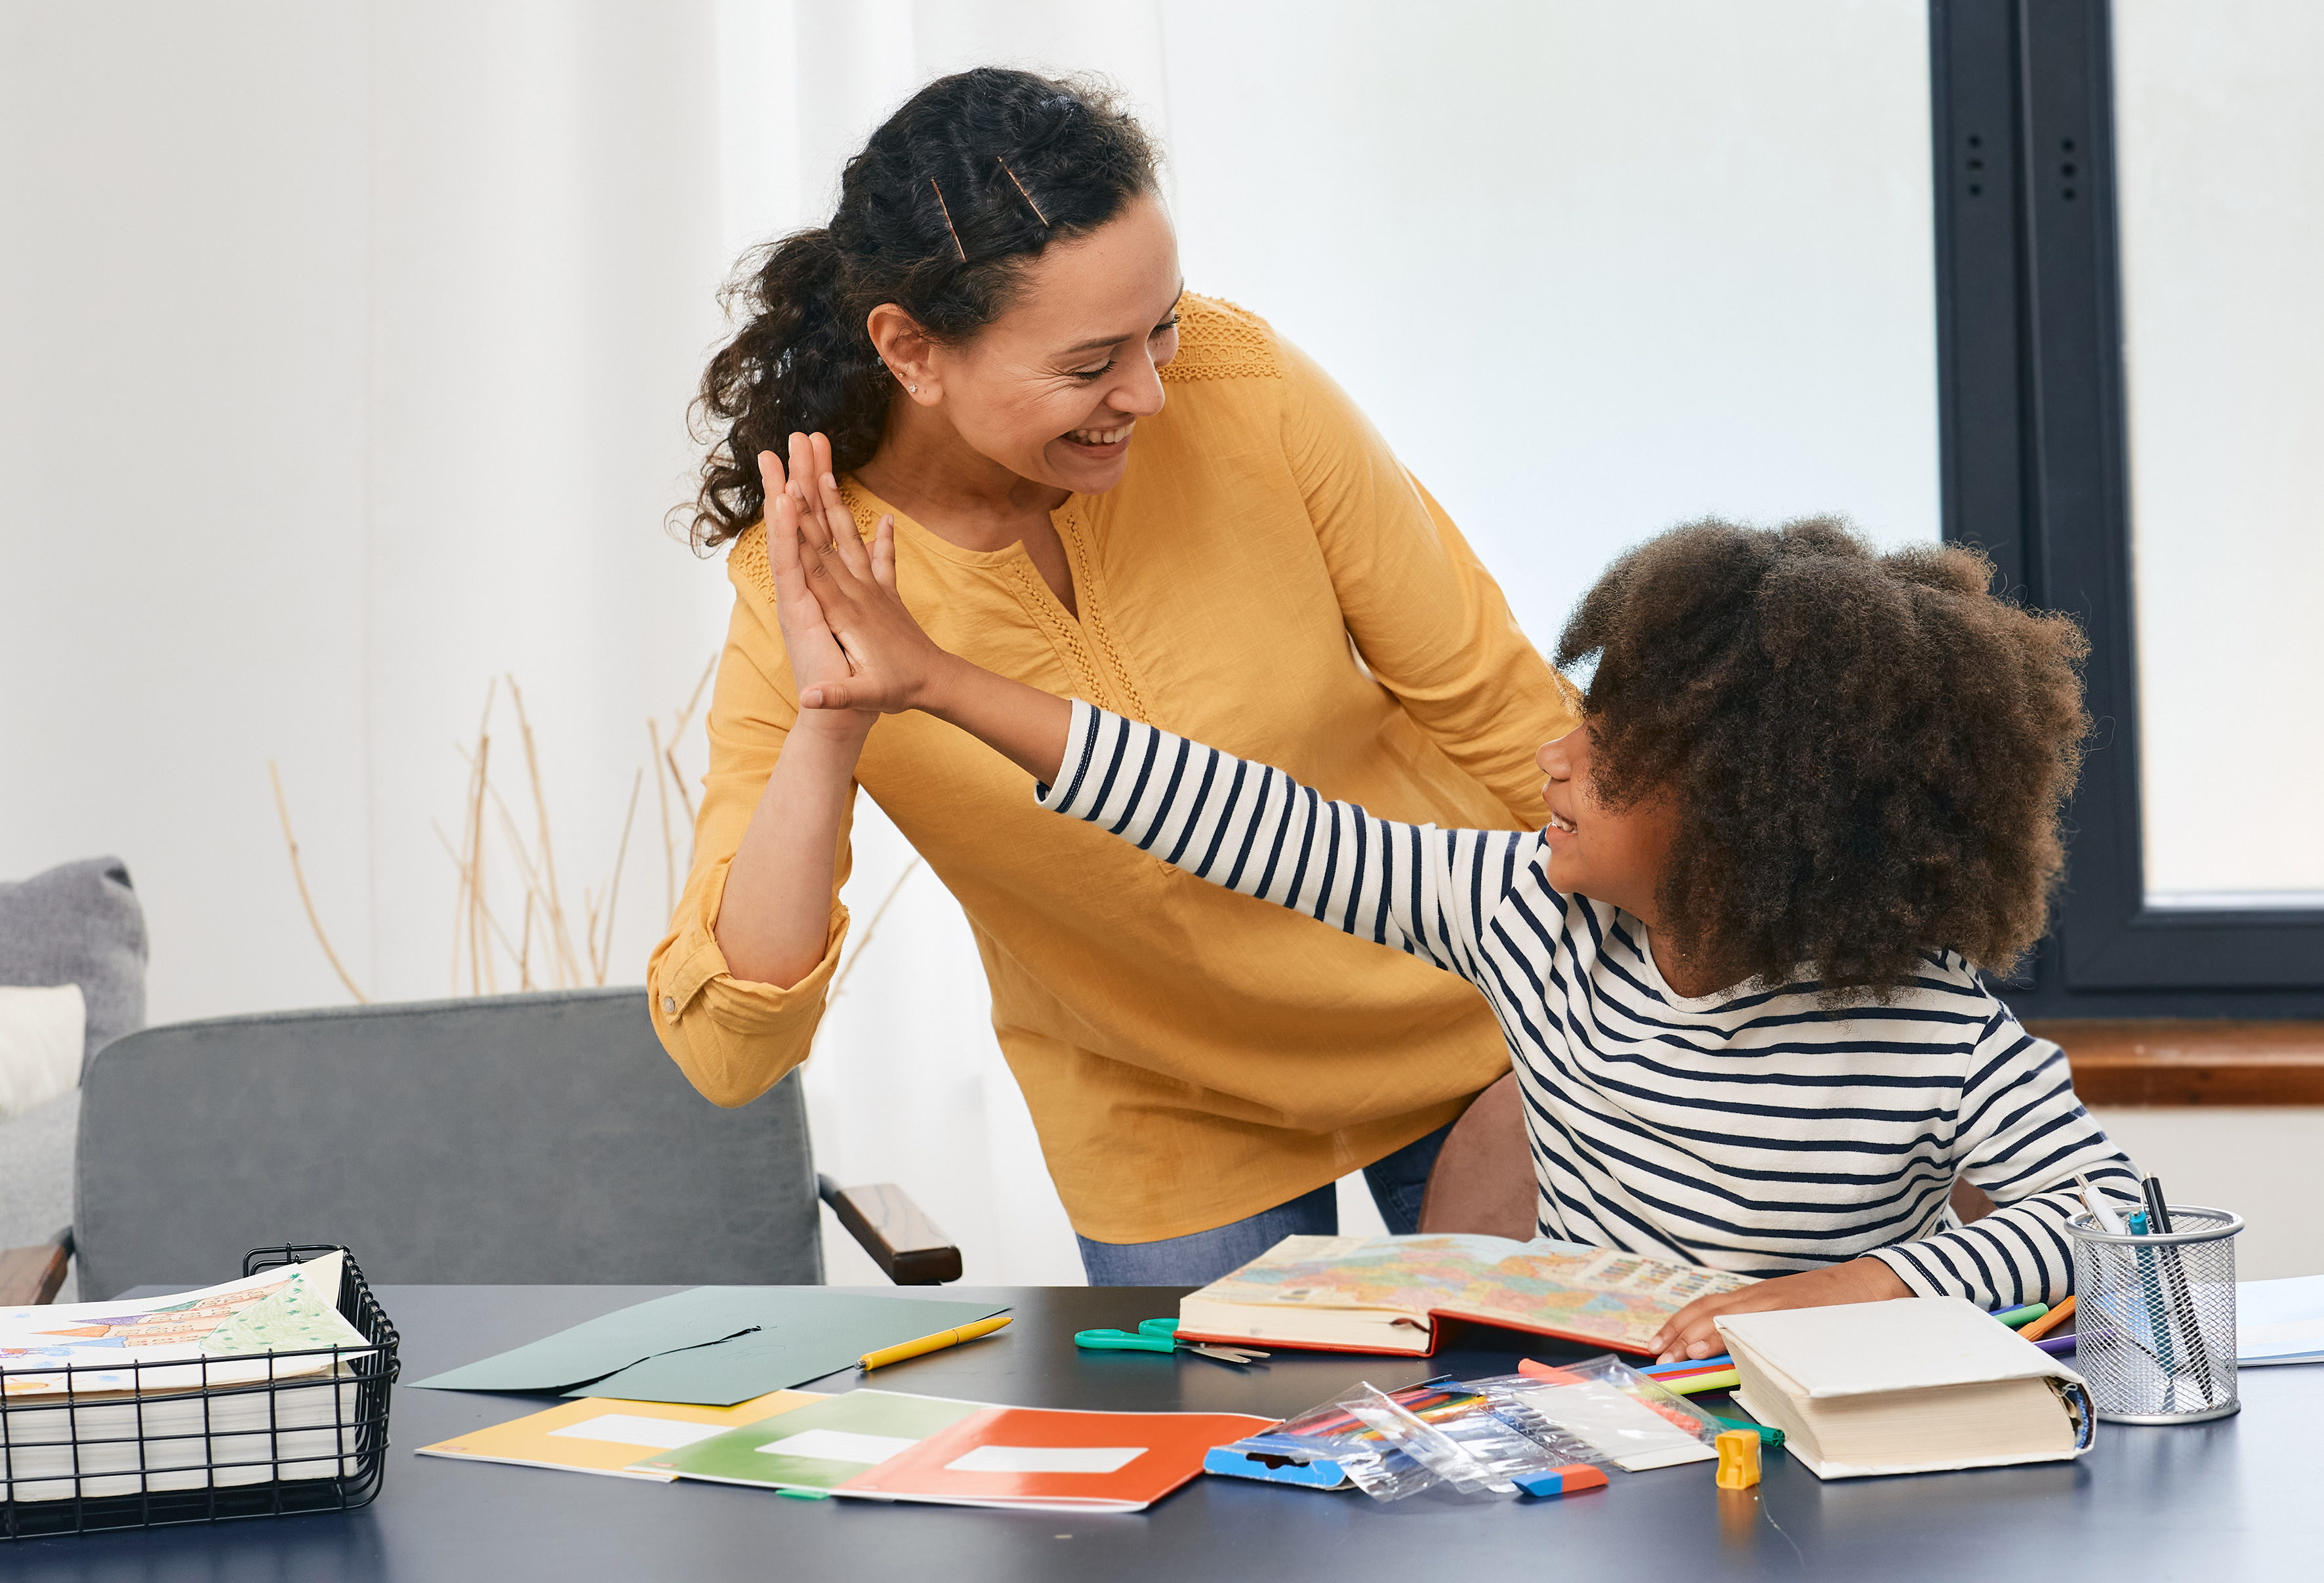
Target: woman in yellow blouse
x=1103 y=486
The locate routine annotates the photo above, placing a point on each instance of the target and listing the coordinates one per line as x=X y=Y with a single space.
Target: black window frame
x=2034 y=470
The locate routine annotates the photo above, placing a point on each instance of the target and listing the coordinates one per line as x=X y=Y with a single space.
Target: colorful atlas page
x=1386 y=1294
x=885 y=1445
x=604 y=1435
x=291 y=1309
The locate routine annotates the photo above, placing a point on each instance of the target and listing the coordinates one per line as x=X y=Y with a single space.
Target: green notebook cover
x=714 y=1345
x=852 y=1432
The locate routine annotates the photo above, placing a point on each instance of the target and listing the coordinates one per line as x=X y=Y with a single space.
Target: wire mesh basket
x=308 y=1433
x=2154 y=1318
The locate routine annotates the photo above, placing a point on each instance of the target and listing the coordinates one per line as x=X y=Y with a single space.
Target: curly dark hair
x=955 y=193
x=1869 y=752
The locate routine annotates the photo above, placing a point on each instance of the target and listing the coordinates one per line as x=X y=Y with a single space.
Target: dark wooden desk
x=2220 y=1502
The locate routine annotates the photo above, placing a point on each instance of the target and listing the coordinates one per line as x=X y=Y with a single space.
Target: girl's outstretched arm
x=1244 y=827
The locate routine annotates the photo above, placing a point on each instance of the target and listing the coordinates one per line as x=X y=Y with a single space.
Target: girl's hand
x=1690 y=1334
x=796 y=512
x=889 y=663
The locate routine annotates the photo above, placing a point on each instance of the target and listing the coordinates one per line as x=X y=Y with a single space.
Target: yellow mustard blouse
x=1266 y=578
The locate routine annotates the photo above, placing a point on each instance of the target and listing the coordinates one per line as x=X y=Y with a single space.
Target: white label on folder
x=837 y=1444
x=627 y=1428
x=1045 y=1459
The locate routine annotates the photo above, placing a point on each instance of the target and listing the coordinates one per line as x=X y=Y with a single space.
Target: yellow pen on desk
x=935 y=1343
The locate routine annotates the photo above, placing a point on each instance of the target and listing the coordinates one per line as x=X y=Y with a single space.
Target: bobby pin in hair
x=1022 y=193
x=947 y=208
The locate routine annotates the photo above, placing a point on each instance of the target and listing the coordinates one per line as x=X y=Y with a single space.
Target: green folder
x=714 y=1345
x=878 y=1424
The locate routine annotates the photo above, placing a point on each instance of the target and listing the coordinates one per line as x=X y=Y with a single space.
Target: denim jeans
x=1398 y=1183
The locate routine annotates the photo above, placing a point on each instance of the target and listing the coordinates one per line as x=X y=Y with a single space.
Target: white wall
x=345 y=372
x=345 y=368
x=182 y=535
x=2255 y=1161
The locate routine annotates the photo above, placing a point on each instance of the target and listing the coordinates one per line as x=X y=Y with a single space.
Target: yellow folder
x=600 y=1434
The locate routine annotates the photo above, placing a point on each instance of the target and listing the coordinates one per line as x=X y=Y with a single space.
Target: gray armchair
x=524 y=1138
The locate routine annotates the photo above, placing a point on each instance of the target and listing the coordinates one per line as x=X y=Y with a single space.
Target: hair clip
x=947 y=215
x=1022 y=193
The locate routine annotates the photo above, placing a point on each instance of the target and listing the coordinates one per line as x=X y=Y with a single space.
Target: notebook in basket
x=259 y=1397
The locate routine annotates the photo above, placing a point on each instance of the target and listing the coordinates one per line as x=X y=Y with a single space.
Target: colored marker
x=2100 y=1211
x=1666 y=1378
x=2024 y=1315
x=2048 y=1321
x=1768 y=1435
x=1687 y=1366
x=1725 y=1379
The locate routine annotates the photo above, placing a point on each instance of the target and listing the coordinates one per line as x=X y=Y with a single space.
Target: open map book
x=1386 y=1294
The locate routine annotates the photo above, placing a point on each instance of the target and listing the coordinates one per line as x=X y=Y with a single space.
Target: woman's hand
x=804 y=506
x=1690 y=1334
x=871 y=655
x=773 y=924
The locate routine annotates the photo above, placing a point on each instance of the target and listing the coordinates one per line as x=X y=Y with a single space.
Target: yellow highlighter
x=935 y=1343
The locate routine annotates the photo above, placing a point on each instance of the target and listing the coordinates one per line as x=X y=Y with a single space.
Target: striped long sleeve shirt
x=1758 y=1132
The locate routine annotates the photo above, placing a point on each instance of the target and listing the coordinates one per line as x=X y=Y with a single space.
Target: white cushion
x=41 y=1032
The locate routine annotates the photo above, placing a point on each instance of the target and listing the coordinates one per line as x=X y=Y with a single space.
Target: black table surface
x=2238 y=1499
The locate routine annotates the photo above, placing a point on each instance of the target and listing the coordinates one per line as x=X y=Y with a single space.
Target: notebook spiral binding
x=309 y=1441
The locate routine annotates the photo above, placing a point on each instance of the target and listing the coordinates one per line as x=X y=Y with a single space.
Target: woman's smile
x=1102 y=442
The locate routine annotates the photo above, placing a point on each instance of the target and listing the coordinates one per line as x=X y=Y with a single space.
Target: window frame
x=2034 y=470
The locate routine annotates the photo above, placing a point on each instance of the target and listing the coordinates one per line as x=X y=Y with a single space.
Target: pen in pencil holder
x=2154 y=1317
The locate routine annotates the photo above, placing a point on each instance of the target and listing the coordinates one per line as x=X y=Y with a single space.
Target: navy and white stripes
x=1755 y=1132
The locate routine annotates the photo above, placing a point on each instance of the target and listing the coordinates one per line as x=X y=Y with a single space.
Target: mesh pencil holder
x=2154 y=1318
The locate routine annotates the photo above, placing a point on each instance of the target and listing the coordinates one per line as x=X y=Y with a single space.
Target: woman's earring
x=913 y=388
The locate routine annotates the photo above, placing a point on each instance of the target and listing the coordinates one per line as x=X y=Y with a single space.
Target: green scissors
x=1159 y=1335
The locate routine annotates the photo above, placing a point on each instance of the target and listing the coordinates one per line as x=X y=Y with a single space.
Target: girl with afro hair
x=1816 y=790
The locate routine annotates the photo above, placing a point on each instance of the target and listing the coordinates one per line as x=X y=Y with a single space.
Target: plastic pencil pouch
x=1461 y=1439
x=1329 y=1448
x=1610 y=1407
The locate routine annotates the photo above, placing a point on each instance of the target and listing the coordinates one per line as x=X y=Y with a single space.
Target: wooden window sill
x=2158 y=1061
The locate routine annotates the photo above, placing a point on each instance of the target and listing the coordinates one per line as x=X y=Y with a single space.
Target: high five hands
x=852 y=645
x=856 y=650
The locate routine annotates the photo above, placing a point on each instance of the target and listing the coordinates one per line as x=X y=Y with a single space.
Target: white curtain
x=347 y=346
